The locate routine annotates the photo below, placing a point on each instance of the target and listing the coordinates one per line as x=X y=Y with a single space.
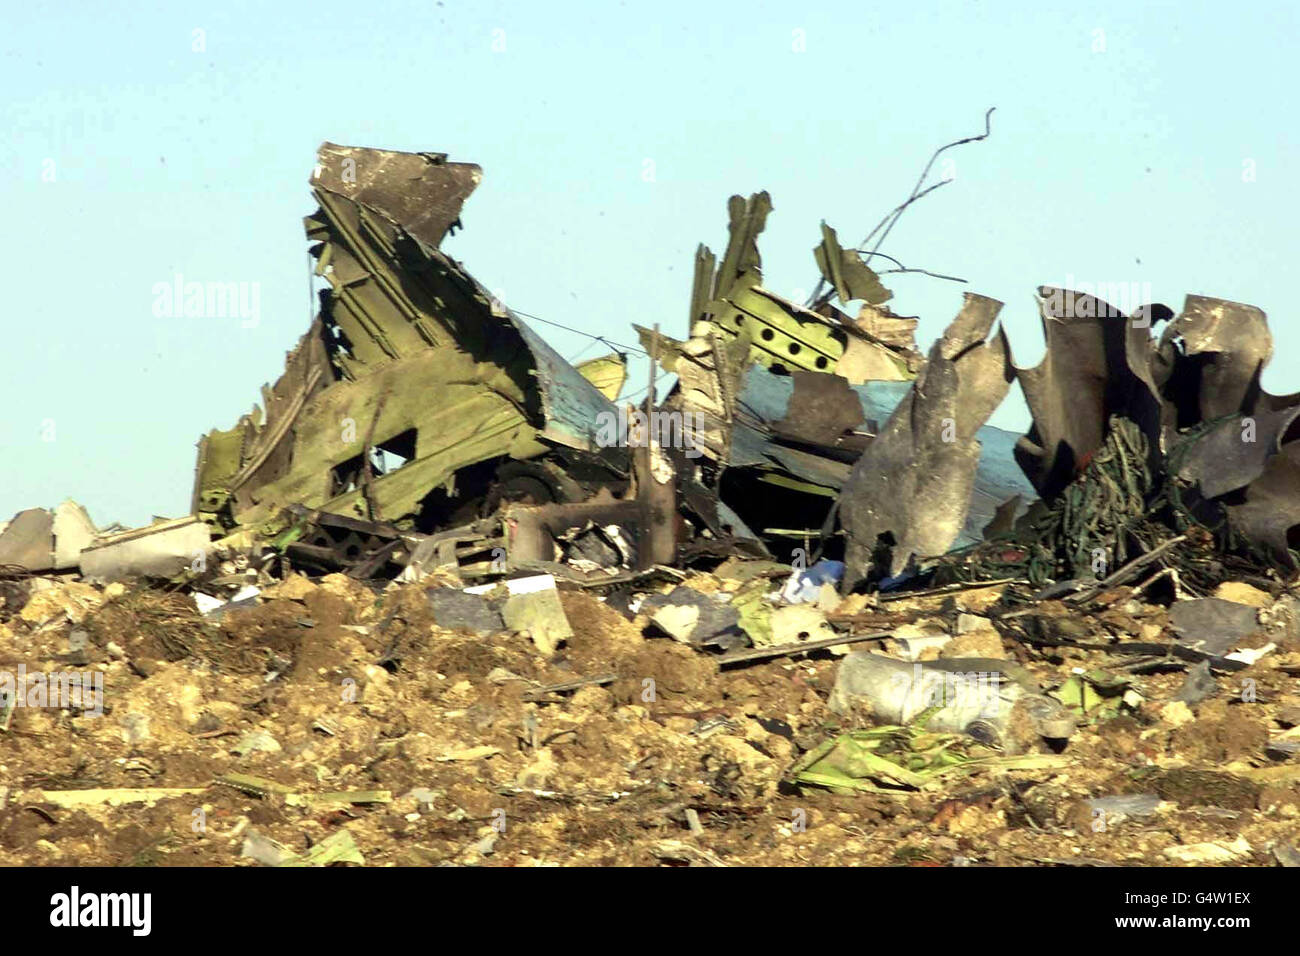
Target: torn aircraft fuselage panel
x=411 y=372
x=731 y=304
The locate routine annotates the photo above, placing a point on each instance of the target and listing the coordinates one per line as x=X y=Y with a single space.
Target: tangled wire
x=1115 y=510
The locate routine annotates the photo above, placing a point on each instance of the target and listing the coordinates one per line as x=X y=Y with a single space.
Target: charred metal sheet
x=1221 y=347
x=1236 y=451
x=1247 y=449
x=910 y=491
x=1212 y=625
x=422 y=191
x=823 y=410
x=1270 y=516
x=1196 y=399
x=1098 y=364
x=727 y=532
x=535 y=535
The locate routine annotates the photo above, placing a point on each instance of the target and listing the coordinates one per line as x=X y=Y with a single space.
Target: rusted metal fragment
x=1098 y=364
x=910 y=491
x=882 y=325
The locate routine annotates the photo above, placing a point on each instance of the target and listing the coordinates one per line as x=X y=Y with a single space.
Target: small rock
x=536 y=775
x=1176 y=713
x=541 y=616
x=1121 y=806
x=263 y=849
x=256 y=741
x=1286 y=855
x=1239 y=592
x=423 y=797
x=1198 y=685
x=1210 y=852
x=982 y=642
x=970 y=623
x=135 y=728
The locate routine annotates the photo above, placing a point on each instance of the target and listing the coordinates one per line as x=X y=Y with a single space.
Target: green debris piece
x=755 y=612
x=289 y=536
x=741 y=264
x=336 y=848
x=885 y=759
x=847 y=272
x=1096 y=694
x=804 y=486
x=608 y=373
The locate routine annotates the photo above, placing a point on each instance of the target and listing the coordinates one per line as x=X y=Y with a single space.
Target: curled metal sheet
x=1098 y=364
x=1222 y=349
x=1236 y=451
x=1270 y=515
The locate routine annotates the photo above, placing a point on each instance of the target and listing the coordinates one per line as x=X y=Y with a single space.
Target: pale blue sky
x=168 y=160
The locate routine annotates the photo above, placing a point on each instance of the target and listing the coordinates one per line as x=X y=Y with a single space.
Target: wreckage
x=839 y=576
x=422 y=423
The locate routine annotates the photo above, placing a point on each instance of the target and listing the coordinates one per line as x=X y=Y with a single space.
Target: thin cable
x=598 y=338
